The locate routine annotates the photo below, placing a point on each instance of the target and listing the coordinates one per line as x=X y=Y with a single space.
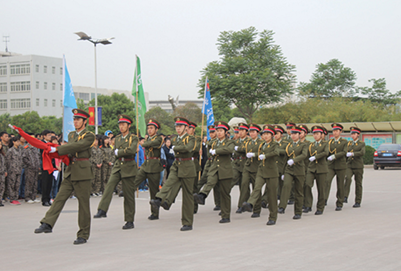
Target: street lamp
x=83 y=36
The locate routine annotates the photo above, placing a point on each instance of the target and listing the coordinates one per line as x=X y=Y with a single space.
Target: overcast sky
x=175 y=39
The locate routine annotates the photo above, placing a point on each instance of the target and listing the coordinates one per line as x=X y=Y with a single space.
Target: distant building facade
x=166 y=105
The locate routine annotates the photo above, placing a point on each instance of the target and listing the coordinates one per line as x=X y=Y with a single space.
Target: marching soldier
x=195 y=155
x=220 y=171
x=355 y=153
x=296 y=152
x=288 y=126
x=337 y=164
x=125 y=169
x=317 y=170
x=251 y=167
x=182 y=175
x=267 y=174
x=239 y=158
x=302 y=138
x=236 y=132
x=77 y=178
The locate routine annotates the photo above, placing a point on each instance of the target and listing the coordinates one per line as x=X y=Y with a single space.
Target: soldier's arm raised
x=228 y=148
x=324 y=153
x=157 y=143
x=303 y=154
x=131 y=150
x=189 y=147
x=74 y=147
x=361 y=152
x=342 y=152
x=272 y=151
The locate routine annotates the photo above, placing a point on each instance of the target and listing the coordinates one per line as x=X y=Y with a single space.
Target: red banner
x=91 y=120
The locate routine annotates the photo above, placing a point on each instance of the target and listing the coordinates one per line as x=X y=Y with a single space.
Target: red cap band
x=212 y=130
x=126 y=120
x=243 y=127
x=254 y=128
x=181 y=122
x=153 y=123
x=221 y=126
x=80 y=115
x=269 y=130
x=279 y=130
x=318 y=130
x=337 y=127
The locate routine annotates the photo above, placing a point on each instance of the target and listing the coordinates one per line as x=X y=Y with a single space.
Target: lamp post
x=83 y=36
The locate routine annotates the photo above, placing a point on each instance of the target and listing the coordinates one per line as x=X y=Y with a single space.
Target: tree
x=189 y=111
x=330 y=80
x=165 y=119
x=251 y=72
x=5 y=119
x=378 y=93
x=222 y=110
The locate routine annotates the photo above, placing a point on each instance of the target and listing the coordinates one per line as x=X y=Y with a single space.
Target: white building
x=31 y=83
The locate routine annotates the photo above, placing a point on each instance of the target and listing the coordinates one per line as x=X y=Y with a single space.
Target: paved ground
x=368 y=238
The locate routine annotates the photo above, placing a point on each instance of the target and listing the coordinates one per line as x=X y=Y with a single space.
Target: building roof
x=385 y=126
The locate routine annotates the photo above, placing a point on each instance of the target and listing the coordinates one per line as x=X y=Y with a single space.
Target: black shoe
x=217 y=208
x=318 y=212
x=325 y=202
x=165 y=206
x=338 y=208
x=224 y=220
x=155 y=205
x=271 y=222
x=219 y=213
x=1 y=204
x=186 y=228
x=100 y=213
x=255 y=215
x=307 y=210
x=80 y=241
x=153 y=217
x=296 y=217
x=121 y=194
x=290 y=202
x=264 y=204
x=128 y=225
x=195 y=211
x=46 y=228
x=281 y=210
x=46 y=204
x=246 y=207
x=239 y=211
x=345 y=200
x=200 y=198
x=356 y=205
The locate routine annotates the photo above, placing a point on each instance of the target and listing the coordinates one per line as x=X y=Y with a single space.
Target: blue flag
x=69 y=104
x=207 y=108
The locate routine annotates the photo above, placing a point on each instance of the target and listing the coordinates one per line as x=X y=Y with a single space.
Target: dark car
x=387 y=155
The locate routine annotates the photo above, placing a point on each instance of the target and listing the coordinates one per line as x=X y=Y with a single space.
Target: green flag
x=141 y=103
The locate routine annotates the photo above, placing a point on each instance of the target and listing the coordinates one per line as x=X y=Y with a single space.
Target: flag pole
x=203 y=118
x=136 y=106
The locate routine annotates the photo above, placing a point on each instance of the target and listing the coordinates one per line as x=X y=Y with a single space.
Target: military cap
x=337 y=126
x=278 y=128
x=243 y=126
x=192 y=125
x=289 y=124
x=211 y=129
x=325 y=131
x=268 y=129
x=317 y=129
x=296 y=129
x=79 y=113
x=304 y=128
x=221 y=124
x=124 y=118
x=254 y=127
x=181 y=121
x=355 y=130
x=236 y=129
x=154 y=123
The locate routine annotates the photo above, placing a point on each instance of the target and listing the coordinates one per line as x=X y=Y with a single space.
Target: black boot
x=128 y=225
x=46 y=228
x=80 y=241
x=100 y=214
x=200 y=198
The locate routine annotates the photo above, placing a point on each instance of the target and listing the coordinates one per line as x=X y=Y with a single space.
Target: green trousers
x=238 y=179
x=153 y=184
x=358 y=176
x=321 y=189
x=248 y=178
x=340 y=176
x=270 y=191
x=203 y=181
x=172 y=185
x=82 y=191
x=129 y=195
x=299 y=181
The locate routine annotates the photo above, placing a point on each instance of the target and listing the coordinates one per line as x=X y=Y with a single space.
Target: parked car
x=387 y=155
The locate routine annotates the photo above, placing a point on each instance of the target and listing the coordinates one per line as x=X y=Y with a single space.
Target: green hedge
x=368 y=157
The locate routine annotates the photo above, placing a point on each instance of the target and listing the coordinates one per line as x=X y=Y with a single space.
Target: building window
x=54 y=103
x=61 y=71
x=20 y=86
x=37 y=68
x=61 y=87
x=37 y=102
x=20 y=103
x=3 y=87
x=45 y=102
x=45 y=69
x=61 y=103
x=53 y=86
x=84 y=96
x=45 y=85
x=53 y=70
x=20 y=69
x=3 y=70
x=3 y=104
x=37 y=84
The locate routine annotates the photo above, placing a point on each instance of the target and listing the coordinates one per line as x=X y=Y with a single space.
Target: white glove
x=250 y=154
x=116 y=152
x=262 y=157
x=349 y=154
x=173 y=147
x=52 y=150
x=290 y=162
x=331 y=157
x=171 y=151
x=236 y=148
x=210 y=151
x=312 y=158
x=282 y=177
x=213 y=152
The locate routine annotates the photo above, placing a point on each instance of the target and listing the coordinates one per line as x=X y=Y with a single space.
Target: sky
x=176 y=39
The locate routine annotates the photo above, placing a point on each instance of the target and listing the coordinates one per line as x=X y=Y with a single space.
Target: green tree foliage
x=368 y=157
x=379 y=94
x=165 y=119
x=332 y=79
x=5 y=119
x=189 y=111
x=251 y=72
x=222 y=110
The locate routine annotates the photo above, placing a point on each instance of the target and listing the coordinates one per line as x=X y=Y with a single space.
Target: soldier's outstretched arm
x=156 y=143
x=303 y=155
x=74 y=147
x=131 y=150
x=226 y=149
x=342 y=152
x=273 y=151
x=324 y=153
x=187 y=147
x=360 y=152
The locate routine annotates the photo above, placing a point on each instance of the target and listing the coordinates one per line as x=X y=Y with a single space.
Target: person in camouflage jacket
x=31 y=164
x=14 y=169
x=96 y=160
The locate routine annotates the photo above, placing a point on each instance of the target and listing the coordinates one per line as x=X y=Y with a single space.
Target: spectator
x=163 y=161
x=108 y=161
x=169 y=155
x=14 y=168
x=97 y=160
x=57 y=169
x=31 y=164
x=22 y=147
x=141 y=153
x=3 y=173
x=5 y=140
x=47 y=179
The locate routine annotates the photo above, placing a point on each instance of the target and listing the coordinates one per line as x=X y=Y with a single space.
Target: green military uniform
x=295 y=151
x=151 y=167
x=125 y=169
x=317 y=170
x=356 y=151
x=337 y=167
x=182 y=174
x=220 y=172
x=108 y=157
x=77 y=178
x=195 y=155
x=96 y=159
